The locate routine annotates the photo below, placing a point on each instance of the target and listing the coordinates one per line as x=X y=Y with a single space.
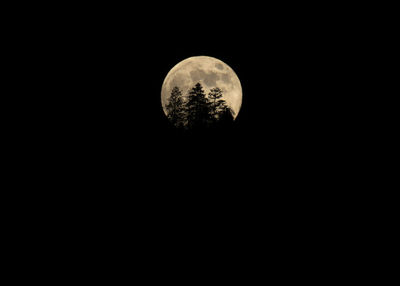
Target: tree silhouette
x=225 y=116
x=197 y=108
x=199 y=111
x=215 y=96
x=176 y=109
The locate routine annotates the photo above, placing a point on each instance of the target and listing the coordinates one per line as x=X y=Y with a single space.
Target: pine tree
x=197 y=108
x=215 y=96
x=176 y=109
x=199 y=111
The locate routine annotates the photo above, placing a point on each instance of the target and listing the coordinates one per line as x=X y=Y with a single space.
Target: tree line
x=198 y=110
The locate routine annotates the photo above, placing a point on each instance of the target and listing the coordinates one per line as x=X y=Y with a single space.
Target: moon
x=210 y=73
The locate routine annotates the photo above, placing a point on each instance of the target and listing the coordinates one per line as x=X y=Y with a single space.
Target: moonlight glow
x=209 y=72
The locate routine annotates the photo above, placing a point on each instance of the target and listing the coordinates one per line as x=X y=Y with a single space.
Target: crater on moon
x=219 y=66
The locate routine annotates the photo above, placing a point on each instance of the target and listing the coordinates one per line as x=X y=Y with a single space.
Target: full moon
x=210 y=73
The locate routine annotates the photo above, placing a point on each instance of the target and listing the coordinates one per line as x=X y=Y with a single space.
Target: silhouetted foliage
x=216 y=102
x=176 y=109
x=199 y=111
x=197 y=108
x=226 y=116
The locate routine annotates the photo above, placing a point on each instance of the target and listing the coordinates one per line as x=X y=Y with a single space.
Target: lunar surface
x=210 y=73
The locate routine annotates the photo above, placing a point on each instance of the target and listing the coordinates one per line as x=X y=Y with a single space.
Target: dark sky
x=111 y=175
x=289 y=62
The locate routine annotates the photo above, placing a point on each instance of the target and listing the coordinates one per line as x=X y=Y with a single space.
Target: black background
x=114 y=163
x=109 y=68
x=106 y=66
